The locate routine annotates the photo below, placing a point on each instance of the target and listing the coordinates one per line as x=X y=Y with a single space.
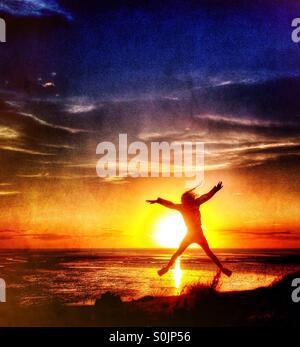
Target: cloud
x=9 y=193
x=234 y=135
x=10 y=231
x=77 y=109
x=48 y=85
x=265 y=234
x=157 y=136
x=6 y=237
x=47 y=236
x=8 y=133
x=35 y=8
x=7 y=234
x=38 y=175
x=69 y=147
x=108 y=233
x=23 y=150
x=248 y=123
x=115 y=180
x=11 y=234
x=47 y=175
x=53 y=126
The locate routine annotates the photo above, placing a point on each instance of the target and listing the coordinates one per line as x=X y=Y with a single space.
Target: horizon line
x=143 y=248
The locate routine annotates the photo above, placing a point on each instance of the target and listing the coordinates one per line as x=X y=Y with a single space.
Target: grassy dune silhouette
x=198 y=305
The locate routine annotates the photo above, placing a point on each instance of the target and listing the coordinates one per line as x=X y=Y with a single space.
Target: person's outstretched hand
x=151 y=201
x=219 y=185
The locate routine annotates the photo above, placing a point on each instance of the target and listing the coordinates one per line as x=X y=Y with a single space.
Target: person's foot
x=227 y=272
x=163 y=271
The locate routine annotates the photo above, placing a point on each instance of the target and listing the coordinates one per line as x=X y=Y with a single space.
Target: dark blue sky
x=125 y=47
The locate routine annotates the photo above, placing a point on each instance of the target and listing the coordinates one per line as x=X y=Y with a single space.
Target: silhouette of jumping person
x=189 y=208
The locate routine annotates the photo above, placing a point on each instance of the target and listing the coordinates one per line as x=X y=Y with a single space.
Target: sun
x=170 y=231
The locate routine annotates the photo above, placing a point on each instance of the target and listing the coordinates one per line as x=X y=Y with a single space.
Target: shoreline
x=200 y=305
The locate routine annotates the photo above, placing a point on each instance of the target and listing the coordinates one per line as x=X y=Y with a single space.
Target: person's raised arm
x=203 y=198
x=164 y=202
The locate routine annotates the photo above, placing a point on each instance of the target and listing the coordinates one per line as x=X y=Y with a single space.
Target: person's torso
x=192 y=217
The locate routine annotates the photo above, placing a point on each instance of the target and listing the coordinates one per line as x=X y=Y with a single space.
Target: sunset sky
x=73 y=74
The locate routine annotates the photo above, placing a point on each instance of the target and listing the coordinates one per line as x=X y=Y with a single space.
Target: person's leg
x=183 y=245
x=204 y=244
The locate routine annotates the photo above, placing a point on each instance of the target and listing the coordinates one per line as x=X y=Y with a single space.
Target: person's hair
x=189 y=196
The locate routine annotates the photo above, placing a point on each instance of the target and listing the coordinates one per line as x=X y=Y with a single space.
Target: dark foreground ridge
x=198 y=305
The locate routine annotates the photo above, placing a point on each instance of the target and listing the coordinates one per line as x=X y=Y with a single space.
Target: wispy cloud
x=38 y=175
x=69 y=147
x=246 y=122
x=24 y=150
x=33 y=8
x=9 y=193
x=265 y=234
x=47 y=236
x=78 y=109
x=8 y=133
x=54 y=126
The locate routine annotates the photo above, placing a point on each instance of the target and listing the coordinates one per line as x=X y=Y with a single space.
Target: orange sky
x=256 y=208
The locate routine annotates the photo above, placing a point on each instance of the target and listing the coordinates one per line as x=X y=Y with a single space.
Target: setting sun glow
x=170 y=231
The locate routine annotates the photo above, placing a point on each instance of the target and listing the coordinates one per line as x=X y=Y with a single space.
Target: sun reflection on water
x=177 y=273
